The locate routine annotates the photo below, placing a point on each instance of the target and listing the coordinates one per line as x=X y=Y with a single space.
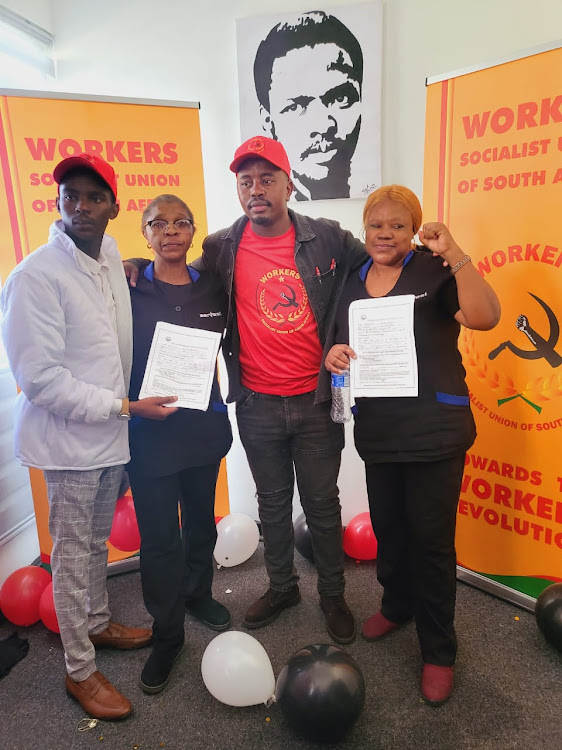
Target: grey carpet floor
x=508 y=680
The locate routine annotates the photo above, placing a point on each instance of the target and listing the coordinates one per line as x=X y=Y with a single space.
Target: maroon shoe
x=437 y=684
x=377 y=626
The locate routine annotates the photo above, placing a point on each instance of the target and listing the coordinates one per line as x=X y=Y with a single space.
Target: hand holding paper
x=181 y=363
x=381 y=333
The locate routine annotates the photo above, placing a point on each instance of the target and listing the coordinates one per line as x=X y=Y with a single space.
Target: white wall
x=180 y=49
x=39 y=12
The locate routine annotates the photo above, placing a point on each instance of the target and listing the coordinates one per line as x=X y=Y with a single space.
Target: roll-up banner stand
x=493 y=174
x=154 y=147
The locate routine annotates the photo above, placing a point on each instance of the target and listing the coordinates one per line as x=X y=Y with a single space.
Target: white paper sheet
x=181 y=363
x=381 y=333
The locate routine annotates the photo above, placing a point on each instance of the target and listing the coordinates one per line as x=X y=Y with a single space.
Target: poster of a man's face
x=306 y=89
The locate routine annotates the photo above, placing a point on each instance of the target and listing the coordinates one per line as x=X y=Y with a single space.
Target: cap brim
x=235 y=165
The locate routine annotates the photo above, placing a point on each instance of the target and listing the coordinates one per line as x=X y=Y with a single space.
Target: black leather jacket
x=319 y=244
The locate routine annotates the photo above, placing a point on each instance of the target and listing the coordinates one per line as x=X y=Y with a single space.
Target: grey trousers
x=81 y=508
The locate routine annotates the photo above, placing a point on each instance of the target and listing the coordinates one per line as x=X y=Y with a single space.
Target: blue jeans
x=284 y=435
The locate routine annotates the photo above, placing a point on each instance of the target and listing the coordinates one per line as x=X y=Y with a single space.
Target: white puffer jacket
x=66 y=358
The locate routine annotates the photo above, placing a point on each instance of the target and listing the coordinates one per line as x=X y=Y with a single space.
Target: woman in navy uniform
x=175 y=460
x=414 y=447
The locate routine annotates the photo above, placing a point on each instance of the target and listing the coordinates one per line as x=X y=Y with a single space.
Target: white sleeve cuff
x=116 y=408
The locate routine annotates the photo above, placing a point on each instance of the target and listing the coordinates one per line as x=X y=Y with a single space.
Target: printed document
x=381 y=333
x=181 y=363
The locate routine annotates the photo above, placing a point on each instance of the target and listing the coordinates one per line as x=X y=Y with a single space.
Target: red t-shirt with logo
x=280 y=352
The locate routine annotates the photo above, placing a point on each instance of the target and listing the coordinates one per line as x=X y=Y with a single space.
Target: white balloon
x=237 y=671
x=237 y=539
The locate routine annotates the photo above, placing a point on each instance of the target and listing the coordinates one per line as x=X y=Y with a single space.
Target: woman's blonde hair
x=397 y=193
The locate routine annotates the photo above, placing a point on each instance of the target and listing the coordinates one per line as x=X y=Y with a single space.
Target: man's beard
x=262 y=220
x=336 y=182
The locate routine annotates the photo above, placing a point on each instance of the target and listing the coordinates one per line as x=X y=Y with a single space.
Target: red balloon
x=21 y=592
x=359 y=539
x=47 y=609
x=125 y=534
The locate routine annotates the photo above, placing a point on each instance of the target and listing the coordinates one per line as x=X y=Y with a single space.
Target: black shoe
x=211 y=613
x=339 y=620
x=269 y=606
x=156 y=672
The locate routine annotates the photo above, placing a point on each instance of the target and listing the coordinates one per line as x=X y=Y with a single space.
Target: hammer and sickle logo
x=290 y=299
x=543 y=348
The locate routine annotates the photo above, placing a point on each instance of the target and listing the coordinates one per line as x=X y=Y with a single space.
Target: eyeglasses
x=159 y=225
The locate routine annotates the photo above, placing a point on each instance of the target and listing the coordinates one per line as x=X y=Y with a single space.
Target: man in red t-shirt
x=284 y=273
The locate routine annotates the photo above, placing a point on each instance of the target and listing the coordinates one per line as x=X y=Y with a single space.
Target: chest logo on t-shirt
x=282 y=300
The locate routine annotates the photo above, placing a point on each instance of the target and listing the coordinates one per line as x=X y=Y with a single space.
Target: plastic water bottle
x=341 y=398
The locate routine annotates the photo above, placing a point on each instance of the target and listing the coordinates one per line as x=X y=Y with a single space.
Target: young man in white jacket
x=68 y=334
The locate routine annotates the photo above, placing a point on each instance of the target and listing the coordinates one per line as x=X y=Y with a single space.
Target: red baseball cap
x=87 y=161
x=260 y=147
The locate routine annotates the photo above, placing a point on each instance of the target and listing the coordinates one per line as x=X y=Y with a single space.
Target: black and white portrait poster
x=312 y=81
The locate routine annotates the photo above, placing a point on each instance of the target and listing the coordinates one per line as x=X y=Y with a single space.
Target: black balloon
x=303 y=540
x=321 y=692
x=548 y=612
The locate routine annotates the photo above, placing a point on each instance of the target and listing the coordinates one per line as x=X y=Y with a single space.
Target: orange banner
x=493 y=174
x=154 y=148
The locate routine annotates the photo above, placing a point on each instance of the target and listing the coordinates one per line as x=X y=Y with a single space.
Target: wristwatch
x=124 y=413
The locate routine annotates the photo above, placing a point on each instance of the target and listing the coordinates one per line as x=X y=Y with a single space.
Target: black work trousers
x=176 y=564
x=413 y=509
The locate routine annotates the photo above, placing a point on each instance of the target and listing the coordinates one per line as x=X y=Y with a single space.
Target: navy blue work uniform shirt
x=438 y=423
x=189 y=437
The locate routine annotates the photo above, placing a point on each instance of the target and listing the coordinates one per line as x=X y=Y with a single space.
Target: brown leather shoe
x=269 y=606
x=122 y=636
x=339 y=620
x=98 y=697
